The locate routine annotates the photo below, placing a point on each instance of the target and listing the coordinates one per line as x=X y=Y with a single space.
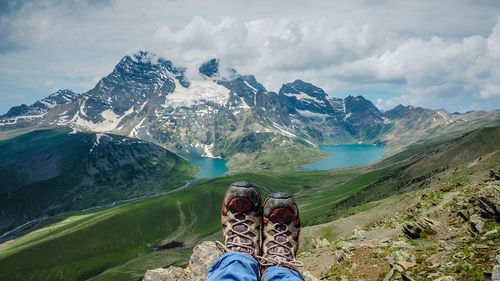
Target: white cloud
x=434 y=72
x=451 y=63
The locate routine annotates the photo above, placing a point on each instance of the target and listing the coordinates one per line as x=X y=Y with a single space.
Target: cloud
x=434 y=72
x=359 y=47
x=439 y=72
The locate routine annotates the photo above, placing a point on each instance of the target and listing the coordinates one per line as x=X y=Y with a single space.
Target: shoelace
x=280 y=259
x=231 y=245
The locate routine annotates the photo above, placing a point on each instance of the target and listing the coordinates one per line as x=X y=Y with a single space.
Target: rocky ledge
x=203 y=256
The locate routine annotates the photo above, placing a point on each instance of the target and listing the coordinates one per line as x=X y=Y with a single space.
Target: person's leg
x=280 y=238
x=233 y=266
x=278 y=273
x=241 y=218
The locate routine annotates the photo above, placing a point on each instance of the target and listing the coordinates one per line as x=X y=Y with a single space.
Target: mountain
x=216 y=114
x=47 y=172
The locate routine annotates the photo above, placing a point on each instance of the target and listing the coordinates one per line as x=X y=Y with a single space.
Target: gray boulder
x=476 y=224
x=202 y=258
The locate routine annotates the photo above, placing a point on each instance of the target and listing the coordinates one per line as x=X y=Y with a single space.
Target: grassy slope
x=74 y=178
x=88 y=245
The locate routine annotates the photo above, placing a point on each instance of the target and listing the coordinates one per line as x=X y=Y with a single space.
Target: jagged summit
x=298 y=86
x=148 y=97
x=210 y=68
x=42 y=106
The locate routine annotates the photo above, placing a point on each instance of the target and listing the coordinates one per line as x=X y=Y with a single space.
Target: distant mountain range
x=147 y=97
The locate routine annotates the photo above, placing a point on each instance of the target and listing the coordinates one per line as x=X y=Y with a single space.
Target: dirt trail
x=183 y=227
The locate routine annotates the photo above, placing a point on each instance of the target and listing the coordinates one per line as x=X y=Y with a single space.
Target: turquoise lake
x=347 y=155
x=210 y=167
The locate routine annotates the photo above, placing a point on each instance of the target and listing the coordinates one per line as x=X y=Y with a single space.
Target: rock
x=402 y=244
x=202 y=258
x=445 y=278
x=464 y=214
x=308 y=276
x=359 y=233
x=407 y=278
x=447 y=246
x=491 y=232
x=398 y=256
x=325 y=271
x=341 y=256
x=432 y=224
x=318 y=243
x=489 y=203
x=494 y=175
x=389 y=275
x=346 y=246
x=476 y=224
x=161 y=274
x=495 y=276
x=414 y=229
x=406 y=265
x=480 y=246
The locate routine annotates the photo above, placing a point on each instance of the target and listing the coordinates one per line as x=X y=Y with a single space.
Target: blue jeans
x=237 y=266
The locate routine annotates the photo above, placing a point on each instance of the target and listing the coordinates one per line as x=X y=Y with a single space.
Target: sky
x=433 y=54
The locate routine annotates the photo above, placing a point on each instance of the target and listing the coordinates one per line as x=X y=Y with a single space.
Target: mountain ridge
x=147 y=97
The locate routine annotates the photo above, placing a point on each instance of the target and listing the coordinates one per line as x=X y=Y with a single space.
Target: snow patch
x=442 y=115
x=142 y=106
x=347 y=115
x=283 y=130
x=244 y=104
x=304 y=97
x=196 y=92
x=135 y=130
x=97 y=141
x=66 y=98
x=207 y=148
x=251 y=87
x=386 y=120
x=49 y=104
x=13 y=120
x=111 y=121
x=74 y=131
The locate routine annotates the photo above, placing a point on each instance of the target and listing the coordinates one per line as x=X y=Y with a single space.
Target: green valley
x=121 y=242
x=50 y=171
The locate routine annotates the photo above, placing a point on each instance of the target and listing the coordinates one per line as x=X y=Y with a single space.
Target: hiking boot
x=281 y=230
x=241 y=217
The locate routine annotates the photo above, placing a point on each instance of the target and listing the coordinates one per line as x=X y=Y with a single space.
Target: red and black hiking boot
x=241 y=217
x=281 y=230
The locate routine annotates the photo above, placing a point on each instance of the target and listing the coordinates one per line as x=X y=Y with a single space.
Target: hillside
x=47 y=172
x=449 y=232
x=87 y=246
x=444 y=232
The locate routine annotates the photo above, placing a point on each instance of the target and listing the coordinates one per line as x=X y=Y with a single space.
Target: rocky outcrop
x=203 y=256
x=422 y=225
x=489 y=203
